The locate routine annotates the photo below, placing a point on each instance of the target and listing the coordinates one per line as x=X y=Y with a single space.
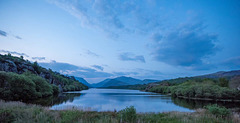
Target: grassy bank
x=21 y=112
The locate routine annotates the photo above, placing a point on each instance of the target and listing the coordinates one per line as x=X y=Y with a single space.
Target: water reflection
x=195 y=104
x=53 y=100
x=117 y=99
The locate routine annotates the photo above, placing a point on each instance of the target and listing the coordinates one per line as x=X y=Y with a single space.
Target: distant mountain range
x=123 y=80
x=222 y=74
x=119 y=81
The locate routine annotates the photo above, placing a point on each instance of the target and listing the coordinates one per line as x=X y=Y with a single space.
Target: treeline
x=202 y=89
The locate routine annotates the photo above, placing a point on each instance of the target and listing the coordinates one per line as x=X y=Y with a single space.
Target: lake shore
x=20 y=112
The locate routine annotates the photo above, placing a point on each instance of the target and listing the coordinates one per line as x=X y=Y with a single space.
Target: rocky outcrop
x=20 y=66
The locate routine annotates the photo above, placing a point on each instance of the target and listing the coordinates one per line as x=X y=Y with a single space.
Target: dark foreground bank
x=21 y=112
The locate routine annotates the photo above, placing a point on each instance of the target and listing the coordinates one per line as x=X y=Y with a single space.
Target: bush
x=24 y=86
x=217 y=110
x=55 y=89
x=42 y=86
x=128 y=114
x=223 y=82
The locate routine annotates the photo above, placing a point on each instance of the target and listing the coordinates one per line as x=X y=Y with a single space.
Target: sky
x=144 y=39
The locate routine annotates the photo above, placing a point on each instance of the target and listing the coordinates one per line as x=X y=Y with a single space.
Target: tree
x=223 y=82
x=36 y=67
x=9 y=54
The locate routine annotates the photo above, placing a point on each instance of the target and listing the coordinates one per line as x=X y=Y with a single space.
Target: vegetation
x=69 y=83
x=207 y=89
x=25 y=81
x=24 y=86
x=218 y=111
x=132 y=87
x=20 y=112
x=128 y=114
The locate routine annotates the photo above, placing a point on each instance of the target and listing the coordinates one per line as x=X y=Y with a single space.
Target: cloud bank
x=188 y=45
x=131 y=57
x=98 y=67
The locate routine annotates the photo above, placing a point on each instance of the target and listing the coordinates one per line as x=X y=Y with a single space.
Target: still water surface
x=118 y=99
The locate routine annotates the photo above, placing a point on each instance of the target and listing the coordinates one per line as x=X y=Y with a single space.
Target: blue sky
x=145 y=39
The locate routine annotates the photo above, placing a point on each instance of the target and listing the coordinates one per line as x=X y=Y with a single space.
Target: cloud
x=98 y=67
x=115 y=16
x=187 y=46
x=232 y=63
x=92 y=53
x=3 y=33
x=131 y=57
x=39 y=58
x=74 y=70
x=125 y=73
x=17 y=37
x=14 y=53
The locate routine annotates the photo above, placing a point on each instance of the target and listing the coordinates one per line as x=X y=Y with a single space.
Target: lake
x=118 y=99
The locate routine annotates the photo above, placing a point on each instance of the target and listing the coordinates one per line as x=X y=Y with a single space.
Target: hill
x=222 y=74
x=23 y=80
x=119 y=81
x=83 y=81
x=146 y=81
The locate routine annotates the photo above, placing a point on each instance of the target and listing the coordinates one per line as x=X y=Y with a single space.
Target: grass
x=27 y=113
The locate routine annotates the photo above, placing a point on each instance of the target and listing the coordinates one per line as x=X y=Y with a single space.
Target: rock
x=151 y=85
x=8 y=66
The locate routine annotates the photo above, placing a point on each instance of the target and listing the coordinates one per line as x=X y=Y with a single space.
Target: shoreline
x=18 y=112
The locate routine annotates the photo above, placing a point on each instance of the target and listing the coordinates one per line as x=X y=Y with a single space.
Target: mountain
x=100 y=84
x=221 y=74
x=119 y=81
x=146 y=81
x=114 y=82
x=83 y=81
x=22 y=80
x=18 y=65
x=128 y=80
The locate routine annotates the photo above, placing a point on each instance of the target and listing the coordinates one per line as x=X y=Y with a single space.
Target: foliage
x=200 y=89
x=128 y=114
x=36 y=67
x=37 y=82
x=20 y=112
x=217 y=110
x=23 y=86
x=223 y=82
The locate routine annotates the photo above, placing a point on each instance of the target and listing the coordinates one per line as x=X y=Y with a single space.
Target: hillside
x=83 y=81
x=119 y=81
x=22 y=76
x=222 y=74
x=146 y=81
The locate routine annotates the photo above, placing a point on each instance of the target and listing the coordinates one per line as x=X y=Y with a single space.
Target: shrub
x=128 y=114
x=24 y=86
x=223 y=82
x=55 y=89
x=217 y=110
x=42 y=86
